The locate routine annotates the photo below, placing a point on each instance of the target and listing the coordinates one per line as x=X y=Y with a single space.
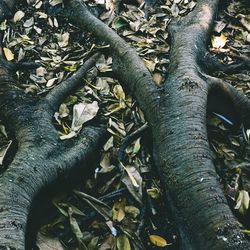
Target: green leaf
x=119 y=22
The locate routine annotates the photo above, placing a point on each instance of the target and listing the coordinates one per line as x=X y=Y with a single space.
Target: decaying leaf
x=133 y=182
x=82 y=112
x=109 y=144
x=76 y=229
x=55 y=2
x=158 y=240
x=242 y=203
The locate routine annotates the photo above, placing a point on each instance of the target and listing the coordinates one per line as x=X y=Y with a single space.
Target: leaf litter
x=120 y=205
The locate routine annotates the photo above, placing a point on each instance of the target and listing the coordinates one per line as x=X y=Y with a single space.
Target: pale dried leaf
x=118 y=92
x=28 y=23
x=83 y=112
x=219 y=41
x=55 y=2
x=242 y=203
x=8 y=54
x=47 y=243
x=3 y=152
x=18 y=16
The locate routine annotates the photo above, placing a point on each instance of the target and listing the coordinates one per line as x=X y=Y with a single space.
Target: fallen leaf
x=219 y=41
x=18 y=16
x=132 y=211
x=109 y=144
x=8 y=54
x=55 y=2
x=119 y=22
x=245 y=21
x=118 y=210
x=154 y=192
x=242 y=203
x=82 y=112
x=50 y=82
x=28 y=23
x=118 y=92
x=63 y=39
x=47 y=243
x=157 y=240
x=3 y=152
x=123 y=242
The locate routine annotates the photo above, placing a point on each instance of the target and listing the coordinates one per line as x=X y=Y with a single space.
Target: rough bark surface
x=176 y=114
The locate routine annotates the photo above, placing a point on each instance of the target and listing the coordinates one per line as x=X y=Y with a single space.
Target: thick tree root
x=41 y=159
x=177 y=116
x=212 y=64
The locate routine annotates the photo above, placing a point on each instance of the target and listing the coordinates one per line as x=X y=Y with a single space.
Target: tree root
x=60 y=92
x=127 y=65
x=212 y=64
x=240 y=102
x=42 y=158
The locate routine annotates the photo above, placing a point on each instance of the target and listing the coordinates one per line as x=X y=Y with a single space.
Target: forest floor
x=120 y=204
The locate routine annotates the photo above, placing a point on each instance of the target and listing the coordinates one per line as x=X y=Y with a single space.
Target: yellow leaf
x=118 y=210
x=118 y=92
x=123 y=243
x=219 y=41
x=158 y=240
x=154 y=192
x=242 y=202
x=246 y=231
x=149 y=64
x=8 y=54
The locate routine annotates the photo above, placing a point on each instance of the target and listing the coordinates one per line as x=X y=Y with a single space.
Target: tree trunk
x=176 y=114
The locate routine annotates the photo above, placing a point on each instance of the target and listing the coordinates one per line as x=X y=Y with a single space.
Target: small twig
x=60 y=92
x=26 y=65
x=130 y=138
x=113 y=194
